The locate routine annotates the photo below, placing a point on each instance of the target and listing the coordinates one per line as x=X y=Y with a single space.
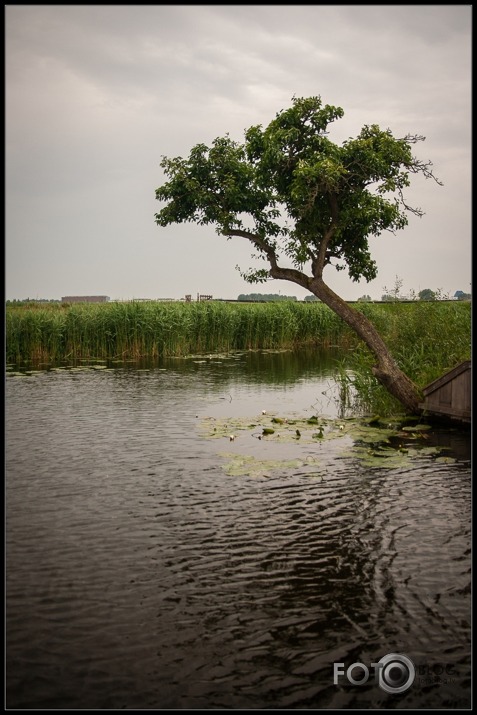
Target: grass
x=39 y=333
x=426 y=338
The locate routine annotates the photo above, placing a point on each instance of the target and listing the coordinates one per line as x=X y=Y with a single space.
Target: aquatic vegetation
x=425 y=338
x=373 y=443
x=154 y=329
x=246 y=465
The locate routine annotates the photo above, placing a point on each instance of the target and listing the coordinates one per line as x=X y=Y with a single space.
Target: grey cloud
x=96 y=94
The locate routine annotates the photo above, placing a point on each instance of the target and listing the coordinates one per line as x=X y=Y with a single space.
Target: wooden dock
x=449 y=395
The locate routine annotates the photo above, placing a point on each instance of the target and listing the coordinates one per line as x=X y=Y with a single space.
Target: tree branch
x=258 y=241
x=322 y=259
x=276 y=271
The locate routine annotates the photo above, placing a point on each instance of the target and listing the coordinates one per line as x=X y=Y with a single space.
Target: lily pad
x=431 y=450
x=374 y=459
x=246 y=465
x=372 y=435
x=375 y=446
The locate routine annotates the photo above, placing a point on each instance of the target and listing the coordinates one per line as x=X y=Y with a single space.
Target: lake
x=152 y=562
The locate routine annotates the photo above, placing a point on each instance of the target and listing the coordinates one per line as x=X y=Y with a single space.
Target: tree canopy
x=304 y=203
x=294 y=193
x=427 y=294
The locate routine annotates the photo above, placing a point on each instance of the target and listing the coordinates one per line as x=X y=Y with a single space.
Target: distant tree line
x=393 y=294
x=264 y=297
x=427 y=294
x=272 y=297
x=21 y=301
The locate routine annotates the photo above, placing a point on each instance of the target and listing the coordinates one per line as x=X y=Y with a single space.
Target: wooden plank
x=463 y=415
x=449 y=395
x=444 y=393
x=461 y=392
x=451 y=374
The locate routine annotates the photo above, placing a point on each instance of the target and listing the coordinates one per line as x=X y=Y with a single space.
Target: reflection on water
x=141 y=575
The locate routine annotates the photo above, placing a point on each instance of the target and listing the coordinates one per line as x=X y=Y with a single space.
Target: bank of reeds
x=426 y=338
x=48 y=333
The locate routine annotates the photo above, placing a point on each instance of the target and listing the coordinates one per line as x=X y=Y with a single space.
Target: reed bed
x=133 y=330
x=426 y=338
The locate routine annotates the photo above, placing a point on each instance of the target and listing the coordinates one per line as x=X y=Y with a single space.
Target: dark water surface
x=141 y=575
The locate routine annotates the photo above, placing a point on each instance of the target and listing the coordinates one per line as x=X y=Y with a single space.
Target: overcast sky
x=96 y=94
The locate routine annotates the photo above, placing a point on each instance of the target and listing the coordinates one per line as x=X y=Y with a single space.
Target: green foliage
x=133 y=330
x=291 y=191
x=33 y=303
x=427 y=294
x=264 y=297
x=427 y=338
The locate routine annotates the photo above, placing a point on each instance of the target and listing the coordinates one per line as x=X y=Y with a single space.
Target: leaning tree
x=304 y=203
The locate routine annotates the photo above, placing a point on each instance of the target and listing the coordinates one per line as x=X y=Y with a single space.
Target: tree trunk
x=386 y=370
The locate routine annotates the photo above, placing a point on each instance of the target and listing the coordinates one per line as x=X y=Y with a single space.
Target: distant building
x=85 y=299
x=460 y=295
x=188 y=298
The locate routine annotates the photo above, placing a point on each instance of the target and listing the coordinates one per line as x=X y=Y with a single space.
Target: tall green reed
x=425 y=338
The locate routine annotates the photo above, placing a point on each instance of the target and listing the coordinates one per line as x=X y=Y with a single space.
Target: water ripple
x=140 y=575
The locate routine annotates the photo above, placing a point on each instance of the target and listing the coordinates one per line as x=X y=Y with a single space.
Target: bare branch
x=423 y=167
x=416 y=211
x=412 y=138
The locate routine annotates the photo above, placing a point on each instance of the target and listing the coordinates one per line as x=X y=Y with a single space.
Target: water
x=141 y=575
